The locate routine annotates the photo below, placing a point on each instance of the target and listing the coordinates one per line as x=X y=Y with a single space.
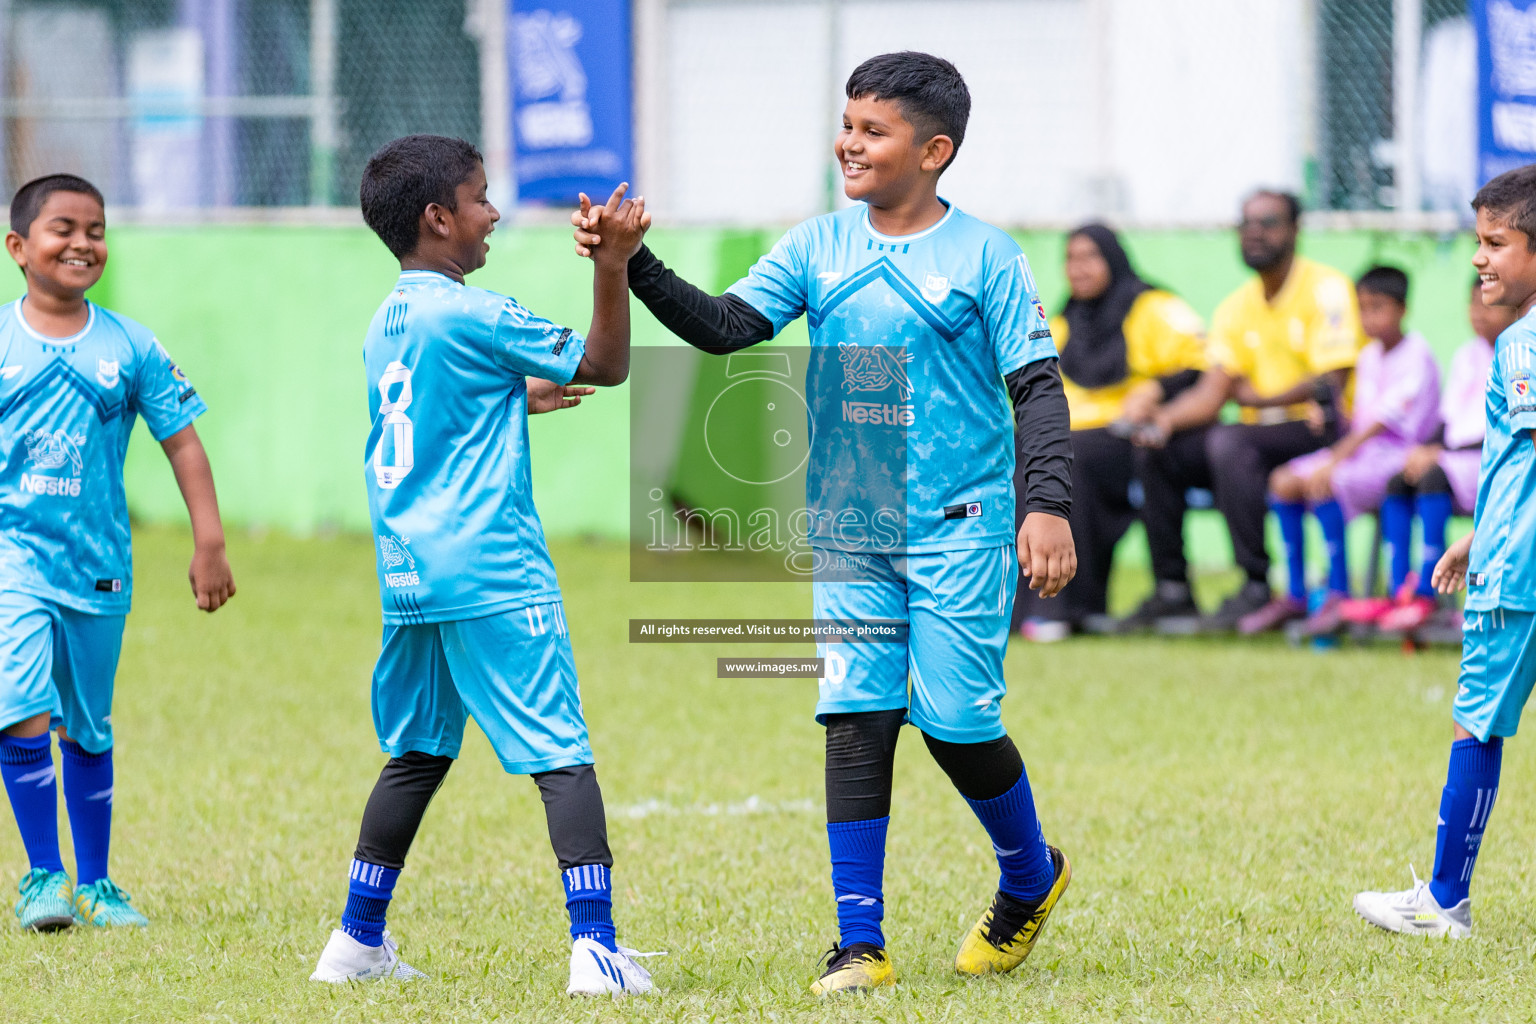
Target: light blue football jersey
x=67 y=408
x=449 y=482
x=911 y=337
x=1501 y=572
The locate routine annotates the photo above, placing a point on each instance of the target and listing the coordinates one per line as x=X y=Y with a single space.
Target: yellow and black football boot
x=1007 y=931
x=856 y=967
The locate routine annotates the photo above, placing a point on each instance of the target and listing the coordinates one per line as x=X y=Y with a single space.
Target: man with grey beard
x=1281 y=346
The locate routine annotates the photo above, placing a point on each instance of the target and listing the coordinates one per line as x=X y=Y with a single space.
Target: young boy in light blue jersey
x=1497 y=560
x=473 y=621
x=924 y=322
x=73 y=379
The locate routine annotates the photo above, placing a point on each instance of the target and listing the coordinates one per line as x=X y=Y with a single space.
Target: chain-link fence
x=178 y=104
x=168 y=105
x=1362 y=159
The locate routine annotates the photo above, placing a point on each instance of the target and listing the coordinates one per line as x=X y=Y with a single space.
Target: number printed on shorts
x=394 y=465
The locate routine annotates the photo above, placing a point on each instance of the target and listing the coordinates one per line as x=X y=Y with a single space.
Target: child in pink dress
x=1396 y=408
x=1438 y=480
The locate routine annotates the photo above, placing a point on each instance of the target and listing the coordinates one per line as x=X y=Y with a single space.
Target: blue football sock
x=1293 y=533
x=369 y=890
x=1022 y=857
x=88 y=797
x=858 y=878
x=589 y=901
x=1397 y=535
x=1330 y=516
x=1471 y=786
x=26 y=765
x=1434 y=513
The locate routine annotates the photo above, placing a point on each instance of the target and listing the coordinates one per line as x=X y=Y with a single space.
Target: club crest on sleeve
x=1520 y=384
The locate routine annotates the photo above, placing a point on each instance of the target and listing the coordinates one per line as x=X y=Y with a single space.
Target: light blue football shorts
x=1498 y=666
x=513 y=673
x=57 y=660
x=949 y=673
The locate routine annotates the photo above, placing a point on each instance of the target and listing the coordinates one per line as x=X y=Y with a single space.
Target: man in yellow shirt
x=1281 y=346
x=1122 y=341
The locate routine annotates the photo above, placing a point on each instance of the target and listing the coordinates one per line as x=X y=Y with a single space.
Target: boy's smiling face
x=1505 y=263
x=65 y=248
x=883 y=163
x=472 y=223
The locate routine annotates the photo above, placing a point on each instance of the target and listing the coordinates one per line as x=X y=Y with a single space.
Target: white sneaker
x=346 y=959
x=595 y=971
x=1415 y=912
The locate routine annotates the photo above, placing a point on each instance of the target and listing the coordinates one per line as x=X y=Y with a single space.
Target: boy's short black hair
x=28 y=201
x=406 y=175
x=1511 y=198
x=1388 y=281
x=928 y=89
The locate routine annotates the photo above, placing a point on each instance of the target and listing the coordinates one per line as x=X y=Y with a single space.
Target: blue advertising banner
x=572 y=123
x=1506 y=84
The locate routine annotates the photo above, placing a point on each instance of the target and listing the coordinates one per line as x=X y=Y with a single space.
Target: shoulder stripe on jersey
x=394 y=319
x=884 y=269
x=105 y=411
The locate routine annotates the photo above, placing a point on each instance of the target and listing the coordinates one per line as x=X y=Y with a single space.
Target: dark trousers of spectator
x=1234 y=461
x=1102 y=469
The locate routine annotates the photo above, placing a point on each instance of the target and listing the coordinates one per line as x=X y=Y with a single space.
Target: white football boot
x=346 y=959
x=1415 y=912
x=595 y=971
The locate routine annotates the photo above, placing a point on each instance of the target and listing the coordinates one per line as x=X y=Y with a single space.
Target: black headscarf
x=1094 y=356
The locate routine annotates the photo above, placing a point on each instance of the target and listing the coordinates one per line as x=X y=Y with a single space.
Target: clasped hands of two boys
x=1046 y=551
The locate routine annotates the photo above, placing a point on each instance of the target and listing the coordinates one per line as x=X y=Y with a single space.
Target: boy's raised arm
x=715 y=324
x=212 y=582
x=606 y=360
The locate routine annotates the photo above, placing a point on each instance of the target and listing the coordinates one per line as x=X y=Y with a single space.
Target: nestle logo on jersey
x=402 y=579
x=63 y=487
x=890 y=414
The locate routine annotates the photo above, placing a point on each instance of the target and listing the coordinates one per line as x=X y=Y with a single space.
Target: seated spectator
x=1281 y=346
x=1125 y=346
x=1397 y=397
x=1439 y=479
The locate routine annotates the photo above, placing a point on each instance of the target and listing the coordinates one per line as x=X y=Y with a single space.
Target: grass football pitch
x=1220 y=801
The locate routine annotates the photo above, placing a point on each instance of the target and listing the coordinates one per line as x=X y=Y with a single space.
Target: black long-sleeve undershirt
x=723 y=324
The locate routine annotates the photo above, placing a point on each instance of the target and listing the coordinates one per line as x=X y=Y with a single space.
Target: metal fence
x=178 y=105
x=228 y=103
x=1394 y=110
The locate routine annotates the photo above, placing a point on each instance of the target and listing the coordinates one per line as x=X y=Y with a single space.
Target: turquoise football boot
x=104 y=905
x=45 y=901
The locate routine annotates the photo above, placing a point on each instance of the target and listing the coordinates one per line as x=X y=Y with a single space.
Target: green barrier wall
x=268 y=323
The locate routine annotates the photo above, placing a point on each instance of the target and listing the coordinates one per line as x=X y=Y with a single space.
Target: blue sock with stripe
x=1397 y=536
x=589 y=901
x=1293 y=533
x=858 y=878
x=1471 y=786
x=1023 y=860
x=26 y=765
x=1434 y=513
x=370 y=887
x=1330 y=516
x=88 y=798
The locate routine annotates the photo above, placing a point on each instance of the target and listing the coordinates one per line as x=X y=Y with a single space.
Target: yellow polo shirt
x=1311 y=327
x=1162 y=336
